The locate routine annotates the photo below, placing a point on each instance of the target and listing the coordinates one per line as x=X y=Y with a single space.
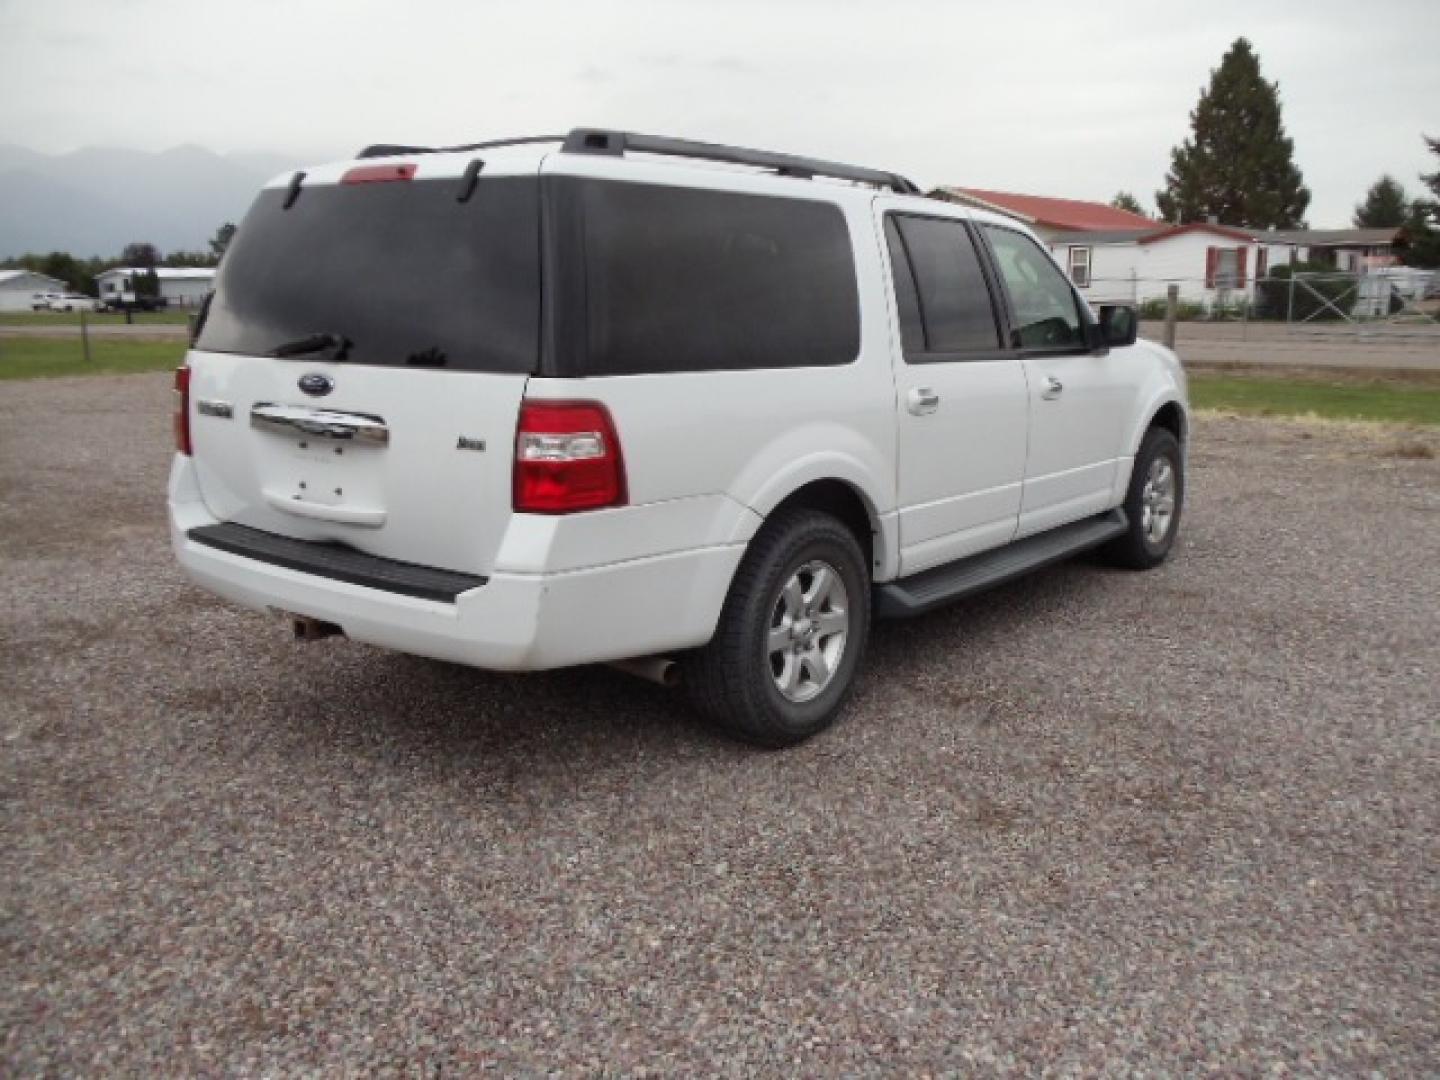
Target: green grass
x=72 y=318
x=1341 y=398
x=1330 y=400
x=34 y=358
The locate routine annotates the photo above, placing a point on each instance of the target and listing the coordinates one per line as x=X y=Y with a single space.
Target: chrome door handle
x=1051 y=388
x=922 y=400
x=320 y=423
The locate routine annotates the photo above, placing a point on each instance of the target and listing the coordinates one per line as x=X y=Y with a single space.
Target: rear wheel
x=1152 y=504
x=791 y=635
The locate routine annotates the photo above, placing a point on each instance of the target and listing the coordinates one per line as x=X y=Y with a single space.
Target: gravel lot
x=1179 y=822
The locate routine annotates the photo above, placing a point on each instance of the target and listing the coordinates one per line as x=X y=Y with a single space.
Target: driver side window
x=1047 y=315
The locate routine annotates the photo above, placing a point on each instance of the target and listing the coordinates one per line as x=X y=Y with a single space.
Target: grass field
x=1334 y=398
x=1331 y=397
x=72 y=318
x=32 y=358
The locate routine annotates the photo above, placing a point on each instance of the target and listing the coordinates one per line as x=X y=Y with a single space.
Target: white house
x=1115 y=256
x=1210 y=263
x=182 y=286
x=18 y=288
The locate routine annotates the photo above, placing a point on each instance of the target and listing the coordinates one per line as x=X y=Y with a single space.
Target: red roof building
x=1043 y=213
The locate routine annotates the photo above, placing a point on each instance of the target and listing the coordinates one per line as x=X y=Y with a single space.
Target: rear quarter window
x=683 y=279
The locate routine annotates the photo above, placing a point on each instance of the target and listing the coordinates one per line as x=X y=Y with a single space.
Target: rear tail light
x=567 y=458
x=182 y=411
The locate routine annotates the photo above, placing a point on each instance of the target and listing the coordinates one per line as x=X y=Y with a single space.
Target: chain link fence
x=1399 y=302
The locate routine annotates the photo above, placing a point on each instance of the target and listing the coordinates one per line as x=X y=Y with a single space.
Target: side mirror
x=1118 y=325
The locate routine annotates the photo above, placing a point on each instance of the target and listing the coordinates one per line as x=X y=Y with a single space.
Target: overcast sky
x=1057 y=99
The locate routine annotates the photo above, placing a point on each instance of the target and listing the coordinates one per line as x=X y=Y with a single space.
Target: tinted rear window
x=681 y=279
x=403 y=270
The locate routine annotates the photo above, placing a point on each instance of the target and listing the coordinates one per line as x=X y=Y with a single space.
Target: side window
x=1047 y=315
x=684 y=279
x=912 y=329
x=1080 y=267
x=945 y=303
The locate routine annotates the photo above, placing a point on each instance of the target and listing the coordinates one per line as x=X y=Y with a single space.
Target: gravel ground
x=1169 y=823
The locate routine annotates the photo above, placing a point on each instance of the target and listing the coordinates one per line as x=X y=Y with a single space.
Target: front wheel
x=1153 y=503
x=791 y=634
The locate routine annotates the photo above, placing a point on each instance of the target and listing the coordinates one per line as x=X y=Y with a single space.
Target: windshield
x=404 y=272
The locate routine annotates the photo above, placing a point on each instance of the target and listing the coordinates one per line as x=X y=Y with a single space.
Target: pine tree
x=1422 y=227
x=1238 y=163
x=1385 y=205
x=1123 y=200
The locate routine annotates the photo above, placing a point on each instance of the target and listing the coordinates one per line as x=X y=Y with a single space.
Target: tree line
x=79 y=273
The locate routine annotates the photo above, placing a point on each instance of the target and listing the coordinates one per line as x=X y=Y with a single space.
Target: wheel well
x=840 y=500
x=1172 y=419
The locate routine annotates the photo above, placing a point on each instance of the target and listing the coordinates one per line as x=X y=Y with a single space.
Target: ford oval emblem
x=315 y=384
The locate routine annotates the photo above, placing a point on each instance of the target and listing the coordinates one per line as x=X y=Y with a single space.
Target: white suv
x=691 y=408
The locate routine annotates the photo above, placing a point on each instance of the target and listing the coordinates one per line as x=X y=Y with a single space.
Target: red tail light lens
x=567 y=458
x=182 y=411
x=378 y=174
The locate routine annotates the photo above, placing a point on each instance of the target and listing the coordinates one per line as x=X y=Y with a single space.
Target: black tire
x=1138 y=548
x=733 y=680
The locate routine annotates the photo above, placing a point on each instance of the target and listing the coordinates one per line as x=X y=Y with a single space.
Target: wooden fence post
x=1172 y=303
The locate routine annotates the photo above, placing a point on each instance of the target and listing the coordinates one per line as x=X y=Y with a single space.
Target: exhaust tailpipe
x=660 y=670
x=308 y=629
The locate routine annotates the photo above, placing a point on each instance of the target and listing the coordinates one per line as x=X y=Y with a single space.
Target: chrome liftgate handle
x=320 y=423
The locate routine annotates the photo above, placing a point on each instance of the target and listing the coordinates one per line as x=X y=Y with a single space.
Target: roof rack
x=618 y=143
x=394 y=149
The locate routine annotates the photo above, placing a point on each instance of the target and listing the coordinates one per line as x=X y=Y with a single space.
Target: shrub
x=1185 y=310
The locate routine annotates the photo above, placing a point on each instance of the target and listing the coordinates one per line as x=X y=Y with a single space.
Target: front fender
x=1164 y=385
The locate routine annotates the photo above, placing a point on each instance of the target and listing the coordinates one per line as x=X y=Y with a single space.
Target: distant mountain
x=95 y=201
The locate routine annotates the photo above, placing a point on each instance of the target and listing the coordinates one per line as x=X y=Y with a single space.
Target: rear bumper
x=513 y=622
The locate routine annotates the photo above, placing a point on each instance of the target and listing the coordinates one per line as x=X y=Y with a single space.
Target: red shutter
x=1242 y=254
x=1212 y=257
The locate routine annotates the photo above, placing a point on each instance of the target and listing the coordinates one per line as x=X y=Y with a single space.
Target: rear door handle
x=1051 y=388
x=922 y=400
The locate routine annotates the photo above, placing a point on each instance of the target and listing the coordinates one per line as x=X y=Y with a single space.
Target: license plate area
x=325 y=478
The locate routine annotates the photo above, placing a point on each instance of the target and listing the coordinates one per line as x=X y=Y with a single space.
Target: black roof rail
x=617 y=143
x=393 y=149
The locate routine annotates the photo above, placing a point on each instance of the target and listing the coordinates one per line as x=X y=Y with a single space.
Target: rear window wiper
x=313 y=343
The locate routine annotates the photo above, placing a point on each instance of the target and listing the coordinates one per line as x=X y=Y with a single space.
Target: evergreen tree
x=146 y=283
x=1422 y=227
x=1385 y=205
x=1123 y=200
x=1238 y=163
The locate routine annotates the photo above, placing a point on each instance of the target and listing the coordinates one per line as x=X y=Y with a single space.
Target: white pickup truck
x=701 y=410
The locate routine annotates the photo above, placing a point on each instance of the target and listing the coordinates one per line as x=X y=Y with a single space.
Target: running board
x=930 y=589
